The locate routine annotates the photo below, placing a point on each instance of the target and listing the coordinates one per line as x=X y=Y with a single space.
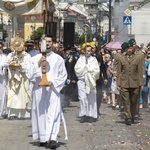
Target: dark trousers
x=99 y=97
x=130 y=97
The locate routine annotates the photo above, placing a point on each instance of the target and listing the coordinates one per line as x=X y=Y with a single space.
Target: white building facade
x=140 y=23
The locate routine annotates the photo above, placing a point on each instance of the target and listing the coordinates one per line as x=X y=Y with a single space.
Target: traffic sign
x=127 y=12
x=127 y=20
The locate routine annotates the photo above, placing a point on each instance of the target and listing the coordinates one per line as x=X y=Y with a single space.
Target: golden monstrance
x=16 y=44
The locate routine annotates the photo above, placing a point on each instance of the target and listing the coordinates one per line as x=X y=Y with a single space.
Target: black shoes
x=52 y=145
x=83 y=119
x=43 y=144
x=87 y=119
x=13 y=118
x=128 y=122
x=91 y=119
x=132 y=120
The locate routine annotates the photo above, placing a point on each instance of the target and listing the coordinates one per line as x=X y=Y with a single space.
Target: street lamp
x=110 y=11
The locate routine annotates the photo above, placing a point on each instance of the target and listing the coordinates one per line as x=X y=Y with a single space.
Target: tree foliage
x=37 y=34
x=80 y=39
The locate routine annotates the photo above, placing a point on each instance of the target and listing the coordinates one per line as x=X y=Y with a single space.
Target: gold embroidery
x=9 y=6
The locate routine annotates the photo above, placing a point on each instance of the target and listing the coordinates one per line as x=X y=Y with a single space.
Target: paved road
x=108 y=133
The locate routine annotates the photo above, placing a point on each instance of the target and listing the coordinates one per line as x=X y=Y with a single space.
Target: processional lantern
x=44 y=81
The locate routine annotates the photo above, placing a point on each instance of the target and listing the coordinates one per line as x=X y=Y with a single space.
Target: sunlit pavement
x=108 y=133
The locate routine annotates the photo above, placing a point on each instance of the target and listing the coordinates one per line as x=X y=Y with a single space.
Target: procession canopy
x=25 y=7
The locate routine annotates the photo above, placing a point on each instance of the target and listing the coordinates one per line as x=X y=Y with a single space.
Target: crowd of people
x=118 y=77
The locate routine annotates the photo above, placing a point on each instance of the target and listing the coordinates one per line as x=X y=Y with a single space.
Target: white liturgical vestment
x=3 y=84
x=46 y=104
x=87 y=73
x=18 y=86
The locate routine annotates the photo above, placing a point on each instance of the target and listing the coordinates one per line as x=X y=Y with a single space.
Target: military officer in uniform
x=124 y=47
x=129 y=81
x=141 y=54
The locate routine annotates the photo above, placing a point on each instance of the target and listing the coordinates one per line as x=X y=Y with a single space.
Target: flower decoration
x=88 y=44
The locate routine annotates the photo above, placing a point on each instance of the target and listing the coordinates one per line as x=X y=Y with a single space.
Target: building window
x=86 y=1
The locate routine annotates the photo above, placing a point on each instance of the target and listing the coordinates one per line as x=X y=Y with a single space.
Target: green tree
x=5 y=35
x=80 y=39
x=37 y=34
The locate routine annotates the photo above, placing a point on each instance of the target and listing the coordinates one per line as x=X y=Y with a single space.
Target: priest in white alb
x=46 y=104
x=18 y=84
x=3 y=84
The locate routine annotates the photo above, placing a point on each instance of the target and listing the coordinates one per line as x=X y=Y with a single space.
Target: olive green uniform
x=130 y=78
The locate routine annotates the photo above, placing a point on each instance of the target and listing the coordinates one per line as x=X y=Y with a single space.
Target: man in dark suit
x=103 y=77
x=129 y=81
x=71 y=85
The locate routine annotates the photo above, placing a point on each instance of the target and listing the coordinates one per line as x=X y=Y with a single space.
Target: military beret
x=130 y=44
x=125 y=45
x=131 y=41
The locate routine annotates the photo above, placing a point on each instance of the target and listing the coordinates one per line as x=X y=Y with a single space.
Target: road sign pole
x=110 y=10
